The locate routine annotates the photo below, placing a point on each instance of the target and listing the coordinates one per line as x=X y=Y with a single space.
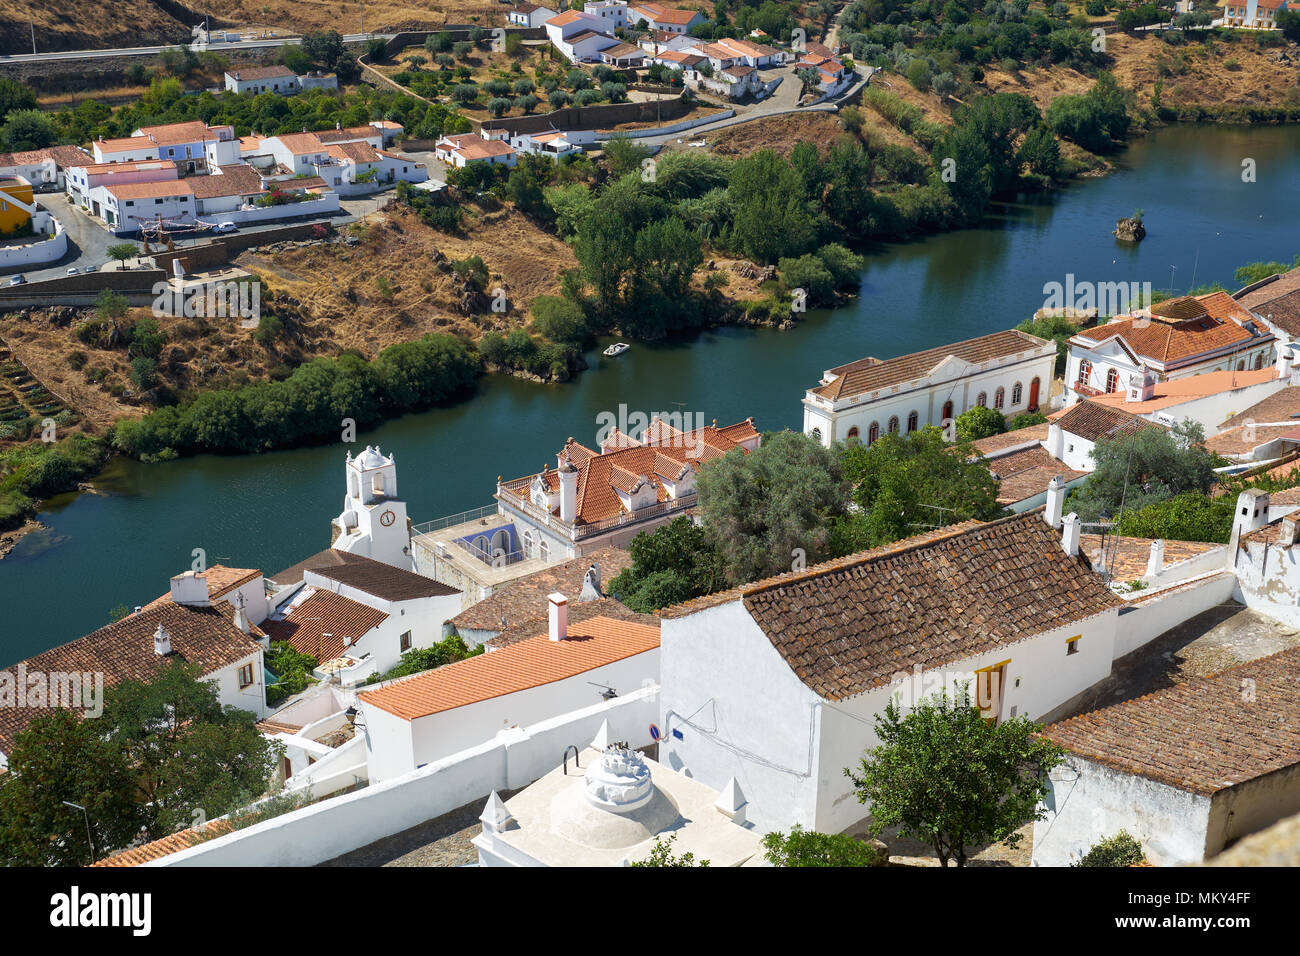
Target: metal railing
x=464 y=517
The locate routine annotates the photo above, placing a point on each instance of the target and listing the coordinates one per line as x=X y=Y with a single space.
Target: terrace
x=476 y=551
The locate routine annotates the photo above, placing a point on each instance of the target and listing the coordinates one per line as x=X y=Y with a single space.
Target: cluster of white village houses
x=751 y=700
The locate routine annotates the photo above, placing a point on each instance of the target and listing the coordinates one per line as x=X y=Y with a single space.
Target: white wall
x=251 y=698
x=37 y=251
x=338 y=825
x=1268 y=581
x=1087 y=802
x=1153 y=616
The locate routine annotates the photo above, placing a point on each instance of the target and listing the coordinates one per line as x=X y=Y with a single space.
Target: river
x=269 y=511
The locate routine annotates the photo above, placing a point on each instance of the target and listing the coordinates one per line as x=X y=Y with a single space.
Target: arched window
x=912 y=420
x=999 y=397
x=1259 y=361
x=873 y=432
x=528 y=544
x=1112 y=379
x=1241 y=366
x=853 y=434
x=893 y=425
x=1016 y=392
x=1033 y=394
x=982 y=399
x=544 y=549
x=1085 y=371
x=947 y=410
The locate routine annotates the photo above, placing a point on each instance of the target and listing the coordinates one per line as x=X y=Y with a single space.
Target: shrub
x=808 y=848
x=1119 y=850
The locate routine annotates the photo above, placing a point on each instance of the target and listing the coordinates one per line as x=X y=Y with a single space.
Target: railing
x=580 y=531
x=475 y=514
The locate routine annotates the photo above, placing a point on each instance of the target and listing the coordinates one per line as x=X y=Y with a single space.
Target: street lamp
x=89 y=840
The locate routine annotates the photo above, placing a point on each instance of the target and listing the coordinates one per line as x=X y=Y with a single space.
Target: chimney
x=1055 y=501
x=558 y=616
x=1251 y=514
x=1141 y=386
x=190 y=589
x=1286 y=538
x=1156 y=562
x=241 y=616
x=1284 y=357
x=591 y=585
x=1070 y=536
x=1055 y=440
x=162 y=642
x=568 y=491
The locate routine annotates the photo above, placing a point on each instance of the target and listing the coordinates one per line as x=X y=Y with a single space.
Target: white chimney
x=1251 y=514
x=162 y=642
x=1286 y=536
x=591 y=584
x=190 y=588
x=568 y=491
x=241 y=617
x=1284 y=357
x=1055 y=501
x=1055 y=440
x=1070 y=536
x=558 y=616
x=1156 y=561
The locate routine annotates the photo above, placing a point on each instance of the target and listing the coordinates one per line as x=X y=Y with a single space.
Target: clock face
x=387 y=518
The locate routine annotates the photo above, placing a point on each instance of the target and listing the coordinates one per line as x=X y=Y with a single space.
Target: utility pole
x=33 y=38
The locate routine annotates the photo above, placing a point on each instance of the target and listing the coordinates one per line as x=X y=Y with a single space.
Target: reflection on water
x=269 y=511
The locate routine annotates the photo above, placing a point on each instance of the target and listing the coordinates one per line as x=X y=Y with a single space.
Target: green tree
x=15 y=96
x=1254 y=271
x=27 y=129
x=121 y=251
x=189 y=753
x=110 y=305
x=1288 y=22
x=1119 y=850
x=559 y=319
x=324 y=47
x=1057 y=328
x=624 y=155
x=771 y=216
x=980 y=422
x=672 y=564
x=61 y=756
x=661 y=854
x=802 y=847
x=771 y=509
x=1190 y=516
x=1141 y=465
x=945 y=775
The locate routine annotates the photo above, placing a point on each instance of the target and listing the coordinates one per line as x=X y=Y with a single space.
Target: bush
x=980 y=422
x=1119 y=850
x=808 y=848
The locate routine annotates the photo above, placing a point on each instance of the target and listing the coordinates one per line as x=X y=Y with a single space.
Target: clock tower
x=373 y=522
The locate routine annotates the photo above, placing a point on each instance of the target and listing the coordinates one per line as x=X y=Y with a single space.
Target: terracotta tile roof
x=221 y=581
x=244 y=73
x=381 y=580
x=870 y=374
x=567 y=17
x=524 y=599
x=125 y=650
x=604 y=607
x=1245 y=438
x=237 y=179
x=1278 y=302
x=1203 y=735
x=171 y=134
x=124 y=143
x=849 y=625
x=1169 y=340
x=1287 y=496
x=307 y=625
x=357 y=152
x=300 y=144
x=347 y=134
x=129 y=166
x=1127 y=557
x=171 y=187
x=471 y=146
x=993 y=444
x=63 y=156
x=1094 y=422
x=183 y=840
x=1283 y=405
x=1027 y=473
x=623 y=51
x=595 y=642
x=1181 y=390
x=327 y=558
x=658 y=13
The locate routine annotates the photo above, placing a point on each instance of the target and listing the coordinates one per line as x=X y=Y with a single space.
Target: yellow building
x=16 y=204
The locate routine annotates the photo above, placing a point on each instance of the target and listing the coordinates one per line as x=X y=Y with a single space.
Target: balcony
x=508 y=496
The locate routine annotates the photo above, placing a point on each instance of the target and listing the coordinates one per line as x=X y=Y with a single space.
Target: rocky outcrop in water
x=1130 y=230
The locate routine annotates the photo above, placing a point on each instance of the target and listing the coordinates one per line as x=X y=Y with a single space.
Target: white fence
x=515 y=758
x=1164 y=610
x=49 y=249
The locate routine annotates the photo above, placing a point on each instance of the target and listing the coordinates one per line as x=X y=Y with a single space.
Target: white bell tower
x=373 y=521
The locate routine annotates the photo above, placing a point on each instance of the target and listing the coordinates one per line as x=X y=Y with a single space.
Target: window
x=912 y=422
x=853 y=434
x=1112 y=380
x=873 y=432
x=1241 y=366
x=1072 y=645
x=1016 y=392
x=1259 y=361
x=171 y=152
x=982 y=399
x=245 y=676
x=947 y=411
x=406 y=641
x=893 y=425
x=999 y=397
x=1085 y=371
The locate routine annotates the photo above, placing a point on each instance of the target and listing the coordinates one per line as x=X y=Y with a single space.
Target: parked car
x=18 y=279
x=225 y=227
x=72 y=271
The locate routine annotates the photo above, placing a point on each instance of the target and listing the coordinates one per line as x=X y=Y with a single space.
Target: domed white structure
x=373 y=520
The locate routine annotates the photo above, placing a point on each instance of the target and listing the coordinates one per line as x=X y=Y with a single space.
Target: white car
x=225 y=227
x=18 y=279
x=72 y=271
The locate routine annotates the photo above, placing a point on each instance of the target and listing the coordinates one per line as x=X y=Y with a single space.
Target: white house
x=373 y=523
x=80 y=180
x=1008 y=371
x=579 y=36
x=529 y=15
x=262 y=79
x=350 y=160
x=44 y=167
x=188 y=626
x=128 y=206
x=415 y=720
x=593 y=500
x=183 y=143
x=609 y=808
x=1173 y=339
x=776 y=684
x=1186 y=771
x=1252 y=14
x=613 y=13
x=1072 y=437
x=465 y=148
x=663 y=18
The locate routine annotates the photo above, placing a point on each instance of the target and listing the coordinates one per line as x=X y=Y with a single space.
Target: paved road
x=155 y=50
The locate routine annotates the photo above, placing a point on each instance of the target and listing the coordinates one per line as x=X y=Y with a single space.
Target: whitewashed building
x=665 y=19
x=486 y=146
x=529 y=15
x=1008 y=371
x=263 y=79
x=776 y=684
x=373 y=523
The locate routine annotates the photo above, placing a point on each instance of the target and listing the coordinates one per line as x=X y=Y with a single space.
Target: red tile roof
x=324 y=625
x=1203 y=735
x=595 y=642
x=1093 y=422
